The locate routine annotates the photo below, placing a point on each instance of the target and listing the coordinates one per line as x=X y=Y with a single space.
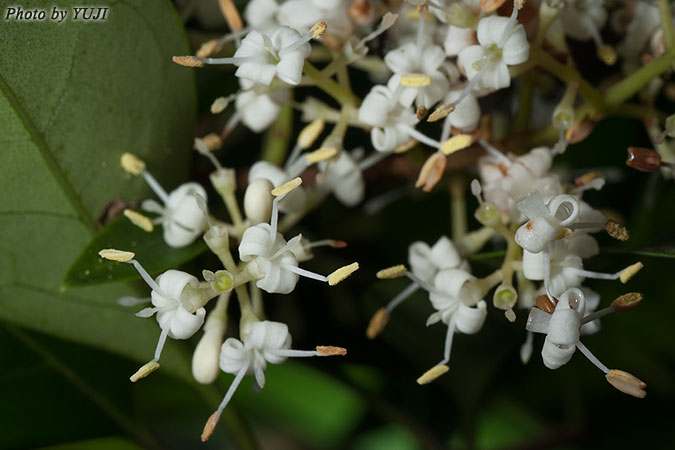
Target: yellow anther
x=626 y=383
x=441 y=112
x=433 y=373
x=132 y=164
x=139 y=220
x=219 y=105
x=630 y=271
x=321 y=154
x=456 y=143
x=309 y=134
x=377 y=323
x=188 y=61
x=405 y=147
x=318 y=29
x=415 y=80
x=627 y=302
x=329 y=350
x=213 y=141
x=391 y=272
x=616 y=230
x=607 y=54
x=116 y=255
x=287 y=187
x=208 y=48
x=144 y=371
x=342 y=273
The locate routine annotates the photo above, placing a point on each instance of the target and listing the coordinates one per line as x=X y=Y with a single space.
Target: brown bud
x=545 y=304
x=627 y=302
x=626 y=383
x=643 y=159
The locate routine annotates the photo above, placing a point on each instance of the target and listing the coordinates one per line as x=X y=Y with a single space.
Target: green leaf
x=73 y=98
x=150 y=248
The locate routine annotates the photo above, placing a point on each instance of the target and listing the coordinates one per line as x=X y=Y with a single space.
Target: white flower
x=181 y=217
x=265 y=342
x=302 y=14
x=466 y=115
x=258 y=108
x=343 y=176
x=413 y=58
x=452 y=302
x=381 y=110
x=544 y=220
x=269 y=258
x=261 y=15
x=295 y=200
x=457 y=39
x=582 y=19
x=501 y=45
x=282 y=55
x=425 y=261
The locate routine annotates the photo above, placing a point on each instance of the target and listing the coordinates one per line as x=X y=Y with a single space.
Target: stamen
x=388 y=20
x=627 y=302
x=144 y=371
x=156 y=187
x=423 y=284
x=139 y=220
x=215 y=417
x=526 y=348
x=491 y=5
x=616 y=230
x=432 y=171
x=476 y=190
x=415 y=80
x=329 y=350
x=116 y=255
x=448 y=341
x=391 y=272
x=189 y=61
x=630 y=271
x=441 y=112
x=376 y=157
x=403 y=295
x=321 y=154
x=221 y=103
x=421 y=137
x=456 y=143
x=626 y=383
x=431 y=374
x=160 y=343
x=342 y=273
x=591 y=357
x=377 y=323
x=231 y=14
x=310 y=133
x=287 y=187
x=132 y=301
x=290 y=353
x=327 y=242
x=496 y=154
x=132 y=164
x=201 y=204
x=643 y=159
x=305 y=273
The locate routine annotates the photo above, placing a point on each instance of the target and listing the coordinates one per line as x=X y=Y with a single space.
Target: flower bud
x=205 y=359
x=258 y=201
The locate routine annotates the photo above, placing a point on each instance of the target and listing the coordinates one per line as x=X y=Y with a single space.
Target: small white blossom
x=381 y=110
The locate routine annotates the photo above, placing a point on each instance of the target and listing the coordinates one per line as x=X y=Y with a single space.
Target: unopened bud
x=218 y=239
x=205 y=359
x=258 y=201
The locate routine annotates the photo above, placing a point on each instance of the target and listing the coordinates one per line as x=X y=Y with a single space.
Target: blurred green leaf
x=73 y=97
x=316 y=406
x=150 y=248
x=390 y=437
x=110 y=443
x=505 y=424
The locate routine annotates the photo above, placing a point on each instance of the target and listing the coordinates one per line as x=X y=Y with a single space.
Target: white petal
x=469 y=320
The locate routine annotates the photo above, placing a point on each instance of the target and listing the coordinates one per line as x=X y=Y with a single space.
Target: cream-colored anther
x=139 y=220
x=391 y=272
x=321 y=154
x=144 y=371
x=219 y=105
x=330 y=350
x=116 y=255
x=630 y=271
x=456 y=143
x=342 y=273
x=318 y=29
x=309 y=134
x=433 y=373
x=415 y=80
x=132 y=164
x=287 y=187
x=188 y=61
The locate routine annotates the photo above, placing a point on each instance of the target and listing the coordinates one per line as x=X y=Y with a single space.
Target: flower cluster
x=435 y=67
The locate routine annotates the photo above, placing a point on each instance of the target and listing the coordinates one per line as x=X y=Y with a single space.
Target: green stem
x=666 y=23
x=329 y=86
x=277 y=138
x=458 y=207
x=522 y=121
x=631 y=85
x=569 y=75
